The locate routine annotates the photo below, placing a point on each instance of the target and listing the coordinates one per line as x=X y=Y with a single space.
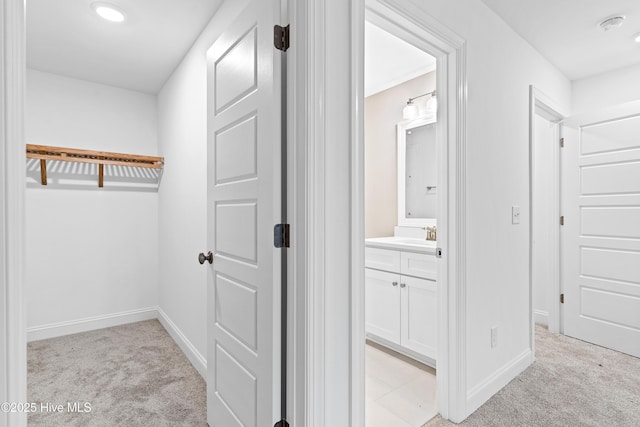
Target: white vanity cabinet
x=400 y=301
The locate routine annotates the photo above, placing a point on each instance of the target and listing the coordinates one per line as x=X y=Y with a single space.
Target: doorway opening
x=100 y=223
x=417 y=28
x=401 y=194
x=545 y=145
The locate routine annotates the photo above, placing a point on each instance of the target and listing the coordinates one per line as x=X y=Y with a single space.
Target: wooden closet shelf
x=101 y=158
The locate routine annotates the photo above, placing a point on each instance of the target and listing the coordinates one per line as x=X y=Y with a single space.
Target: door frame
x=415 y=26
x=542 y=105
x=13 y=336
x=327 y=121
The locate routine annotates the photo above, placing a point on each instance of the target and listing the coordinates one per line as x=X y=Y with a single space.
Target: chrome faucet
x=431 y=232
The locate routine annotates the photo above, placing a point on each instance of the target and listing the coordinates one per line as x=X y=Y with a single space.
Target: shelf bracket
x=100 y=175
x=43 y=171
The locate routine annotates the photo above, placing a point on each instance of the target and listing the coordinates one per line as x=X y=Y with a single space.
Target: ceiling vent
x=612 y=23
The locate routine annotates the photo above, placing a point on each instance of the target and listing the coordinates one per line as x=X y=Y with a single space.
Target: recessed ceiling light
x=612 y=23
x=108 y=11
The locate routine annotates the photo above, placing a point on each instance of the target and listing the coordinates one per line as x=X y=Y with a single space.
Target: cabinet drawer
x=419 y=265
x=382 y=259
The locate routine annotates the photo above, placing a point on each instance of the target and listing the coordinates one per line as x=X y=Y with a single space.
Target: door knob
x=403 y=285
x=395 y=283
x=202 y=258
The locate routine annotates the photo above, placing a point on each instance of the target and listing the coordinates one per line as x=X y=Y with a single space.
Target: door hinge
x=281 y=423
x=281 y=37
x=561 y=298
x=562 y=220
x=281 y=235
x=561 y=142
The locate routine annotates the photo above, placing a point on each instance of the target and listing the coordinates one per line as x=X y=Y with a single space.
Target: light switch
x=515 y=215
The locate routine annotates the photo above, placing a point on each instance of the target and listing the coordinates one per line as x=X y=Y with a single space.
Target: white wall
x=90 y=252
x=544 y=217
x=604 y=90
x=182 y=110
x=500 y=67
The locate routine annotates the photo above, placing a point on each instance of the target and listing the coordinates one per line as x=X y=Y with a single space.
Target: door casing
x=414 y=26
x=13 y=342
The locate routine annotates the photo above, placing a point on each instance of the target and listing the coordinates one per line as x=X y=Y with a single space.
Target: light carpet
x=130 y=375
x=571 y=383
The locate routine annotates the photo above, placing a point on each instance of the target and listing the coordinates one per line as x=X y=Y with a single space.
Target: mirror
x=417 y=172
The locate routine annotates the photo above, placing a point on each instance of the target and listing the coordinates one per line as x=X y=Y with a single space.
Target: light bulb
x=410 y=111
x=432 y=104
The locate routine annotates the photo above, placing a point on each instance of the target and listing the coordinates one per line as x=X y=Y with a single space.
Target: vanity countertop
x=402 y=244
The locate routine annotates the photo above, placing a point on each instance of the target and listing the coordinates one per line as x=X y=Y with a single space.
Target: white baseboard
x=541 y=317
x=479 y=394
x=54 y=330
x=194 y=356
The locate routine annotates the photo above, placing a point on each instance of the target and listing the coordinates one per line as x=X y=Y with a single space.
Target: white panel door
x=382 y=304
x=419 y=315
x=601 y=236
x=243 y=190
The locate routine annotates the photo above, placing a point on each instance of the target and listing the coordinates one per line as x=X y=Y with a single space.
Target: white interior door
x=601 y=236
x=244 y=195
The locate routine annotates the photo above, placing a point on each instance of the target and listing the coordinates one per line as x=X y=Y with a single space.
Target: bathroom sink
x=419 y=242
x=402 y=243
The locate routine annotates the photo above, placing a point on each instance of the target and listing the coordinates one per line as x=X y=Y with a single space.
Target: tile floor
x=400 y=392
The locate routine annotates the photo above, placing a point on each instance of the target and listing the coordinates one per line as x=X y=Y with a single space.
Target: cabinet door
x=419 y=315
x=382 y=304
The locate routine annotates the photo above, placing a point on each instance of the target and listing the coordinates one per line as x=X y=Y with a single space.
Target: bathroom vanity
x=401 y=295
x=401 y=304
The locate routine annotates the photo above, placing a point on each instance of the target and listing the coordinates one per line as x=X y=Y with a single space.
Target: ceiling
x=66 y=37
x=389 y=61
x=566 y=32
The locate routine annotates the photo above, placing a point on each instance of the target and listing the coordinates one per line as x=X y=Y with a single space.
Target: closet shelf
x=101 y=158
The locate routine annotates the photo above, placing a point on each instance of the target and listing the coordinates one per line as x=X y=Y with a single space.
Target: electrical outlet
x=494 y=337
x=515 y=214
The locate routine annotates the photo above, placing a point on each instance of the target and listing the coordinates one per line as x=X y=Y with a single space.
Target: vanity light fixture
x=410 y=111
x=636 y=38
x=108 y=12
